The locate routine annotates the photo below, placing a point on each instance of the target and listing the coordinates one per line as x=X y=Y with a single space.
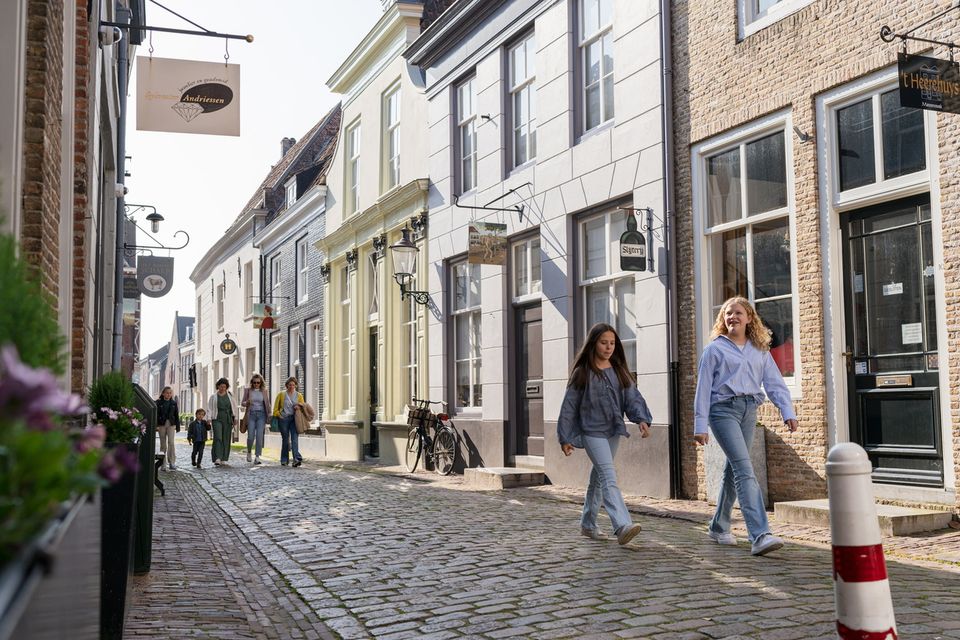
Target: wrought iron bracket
x=325 y=271
x=889 y=35
x=420 y=297
x=517 y=208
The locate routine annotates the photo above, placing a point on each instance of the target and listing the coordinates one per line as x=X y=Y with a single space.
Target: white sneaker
x=248 y=457
x=765 y=544
x=723 y=538
x=257 y=460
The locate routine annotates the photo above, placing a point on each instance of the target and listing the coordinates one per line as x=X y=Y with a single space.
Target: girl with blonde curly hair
x=733 y=367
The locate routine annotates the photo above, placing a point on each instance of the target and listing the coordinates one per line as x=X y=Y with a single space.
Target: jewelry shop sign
x=186 y=96
x=929 y=83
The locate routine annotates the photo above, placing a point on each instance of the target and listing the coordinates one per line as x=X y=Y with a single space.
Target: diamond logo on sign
x=154 y=275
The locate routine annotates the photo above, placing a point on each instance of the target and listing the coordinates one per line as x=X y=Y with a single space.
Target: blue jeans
x=603 y=484
x=256 y=422
x=290 y=438
x=732 y=423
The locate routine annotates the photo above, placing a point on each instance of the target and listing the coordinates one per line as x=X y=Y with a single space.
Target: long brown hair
x=585 y=363
x=756 y=331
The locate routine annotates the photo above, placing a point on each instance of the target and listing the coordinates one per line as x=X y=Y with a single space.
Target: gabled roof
x=182 y=323
x=432 y=10
x=159 y=353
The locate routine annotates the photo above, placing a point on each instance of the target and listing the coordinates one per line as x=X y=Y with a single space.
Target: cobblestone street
x=319 y=552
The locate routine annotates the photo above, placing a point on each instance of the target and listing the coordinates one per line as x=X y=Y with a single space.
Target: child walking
x=197 y=436
x=732 y=369
x=599 y=391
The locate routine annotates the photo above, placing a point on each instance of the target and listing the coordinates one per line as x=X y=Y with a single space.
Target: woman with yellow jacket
x=285 y=406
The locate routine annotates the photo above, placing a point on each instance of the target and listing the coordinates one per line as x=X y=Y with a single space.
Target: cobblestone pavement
x=378 y=556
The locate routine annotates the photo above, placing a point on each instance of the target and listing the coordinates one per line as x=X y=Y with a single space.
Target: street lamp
x=404 y=254
x=155 y=219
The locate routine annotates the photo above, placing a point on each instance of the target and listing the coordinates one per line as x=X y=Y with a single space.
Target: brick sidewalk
x=207 y=581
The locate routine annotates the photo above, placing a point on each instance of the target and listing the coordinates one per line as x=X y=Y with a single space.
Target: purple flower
x=91 y=438
x=33 y=393
x=108 y=469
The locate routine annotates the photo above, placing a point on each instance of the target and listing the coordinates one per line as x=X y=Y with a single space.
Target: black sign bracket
x=518 y=208
x=888 y=35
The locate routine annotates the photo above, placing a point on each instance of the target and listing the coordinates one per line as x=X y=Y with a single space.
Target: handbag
x=300 y=419
x=274 y=423
x=243 y=424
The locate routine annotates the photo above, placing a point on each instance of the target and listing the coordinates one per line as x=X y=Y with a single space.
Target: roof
x=432 y=10
x=159 y=353
x=182 y=323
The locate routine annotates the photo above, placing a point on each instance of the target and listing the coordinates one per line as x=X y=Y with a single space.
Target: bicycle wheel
x=414 y=447
x=444 y=452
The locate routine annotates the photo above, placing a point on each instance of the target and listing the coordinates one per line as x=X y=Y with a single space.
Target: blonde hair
x=756 y=331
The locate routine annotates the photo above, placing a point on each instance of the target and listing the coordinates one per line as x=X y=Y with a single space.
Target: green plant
x=29 y=321
x=112 y=390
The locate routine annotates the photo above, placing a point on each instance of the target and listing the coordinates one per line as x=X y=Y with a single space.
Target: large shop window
x=466 y=332
x=523 y=100
x=467 y=134
x=596 y=60
x=747 y=236
x=868 y=154
x=606 y=293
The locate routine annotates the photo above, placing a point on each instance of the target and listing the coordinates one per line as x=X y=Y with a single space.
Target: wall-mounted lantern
x=404 y=254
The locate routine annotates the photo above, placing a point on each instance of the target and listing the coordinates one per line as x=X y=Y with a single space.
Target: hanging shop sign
x=228 y=346
x=928 y=83
x=264 y=316
x=186 y=96
x=154 y=275
x=487 y=243
x=633 y=247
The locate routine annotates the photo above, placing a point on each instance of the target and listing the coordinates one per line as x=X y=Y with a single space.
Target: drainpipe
x=123 y=15
x=666 y=100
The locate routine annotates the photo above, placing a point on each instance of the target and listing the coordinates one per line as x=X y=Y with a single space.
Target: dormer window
x=291 y=192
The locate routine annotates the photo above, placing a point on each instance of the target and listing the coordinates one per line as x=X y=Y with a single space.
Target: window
x=346 y=339
x=526 y=268
x=221 y=292
x=410 y=341
x=250 y=358
x=467 y=135
x=277 y=364
x=291 y=193
x=391 y=138
x=754 y=15
x=199 y=308
x=606 y=293
x=466 y=332
x=747 y=235
x=523 y=96
x=871 y=155
x=312 y=373
x=373 y=285
x=596 y=59
x=353 y=168
x=275 y=298
x=301 y=262
x=248 y=289
x=293 y=352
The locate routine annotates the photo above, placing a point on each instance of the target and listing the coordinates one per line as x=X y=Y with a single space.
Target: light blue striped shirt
x=727 y=372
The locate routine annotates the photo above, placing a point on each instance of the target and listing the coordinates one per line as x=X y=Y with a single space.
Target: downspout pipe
x=123 y=15
x=669 y=208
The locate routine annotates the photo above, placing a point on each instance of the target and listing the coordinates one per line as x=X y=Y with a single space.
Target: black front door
x=891 y=341
x=373 y=449
x=530 y=377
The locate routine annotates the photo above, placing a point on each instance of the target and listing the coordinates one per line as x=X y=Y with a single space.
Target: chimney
x=286 y=144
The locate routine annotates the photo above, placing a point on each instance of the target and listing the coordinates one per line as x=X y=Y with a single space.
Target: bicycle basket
x=418 y=416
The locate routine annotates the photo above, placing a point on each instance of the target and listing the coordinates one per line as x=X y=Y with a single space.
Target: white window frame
x=311 y=381
x=750 y=19
x=352 y=183
x=277 y=363
x=473 y=316
x=293 y=351
x=410 y=340
x=466 y=118
x=221 y=294
x=290 y=193
x=248 y=289
x=347 y=340
x=523 y=90
x=276 y=278
x=373 y=287
x=531 y=256
x=391 y=137
x=584 y=41
x=301 y=263
x=611 y=277
x=703 y=278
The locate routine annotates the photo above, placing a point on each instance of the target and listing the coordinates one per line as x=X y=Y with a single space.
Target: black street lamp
x=404 y=254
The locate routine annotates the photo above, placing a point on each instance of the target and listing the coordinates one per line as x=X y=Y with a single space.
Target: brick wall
x=720 y=84
x=40 y=235
x=81 y=190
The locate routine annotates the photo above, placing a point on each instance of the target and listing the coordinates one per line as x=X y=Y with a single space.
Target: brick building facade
x=803 y=96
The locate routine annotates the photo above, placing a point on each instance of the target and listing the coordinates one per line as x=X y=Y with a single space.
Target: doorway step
x=528 y=462
x=497 y=478
x=894 y=521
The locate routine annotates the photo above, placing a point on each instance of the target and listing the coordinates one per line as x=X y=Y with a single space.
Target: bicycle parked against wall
x=440 y=448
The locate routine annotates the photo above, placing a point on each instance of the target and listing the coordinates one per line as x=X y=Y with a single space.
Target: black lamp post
x=404 y=254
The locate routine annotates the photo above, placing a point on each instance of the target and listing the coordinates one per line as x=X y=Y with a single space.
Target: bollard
x=864 y=607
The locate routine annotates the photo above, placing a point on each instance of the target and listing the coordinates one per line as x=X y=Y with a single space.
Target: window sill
x=774 y=14
x=597 y=130
x=469 y=413
x=520 y=168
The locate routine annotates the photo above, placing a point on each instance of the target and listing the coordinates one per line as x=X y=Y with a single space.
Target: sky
x=199 y=183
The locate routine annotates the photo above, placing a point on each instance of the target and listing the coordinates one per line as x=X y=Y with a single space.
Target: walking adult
x=168 y=424
x=257 y=405
x=285 y=406
x=221 y=415
x=732 y=369
x=599 y=391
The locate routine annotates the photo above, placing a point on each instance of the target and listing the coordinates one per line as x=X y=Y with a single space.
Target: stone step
x=894 y=521
x=496 y=478
x=528 y=462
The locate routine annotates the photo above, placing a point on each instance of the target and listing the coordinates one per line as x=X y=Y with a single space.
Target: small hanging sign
x=187 y=96
x=633 y=247
x=928 y=83
x=487 y=243
x=228 y=346
x=154 y=275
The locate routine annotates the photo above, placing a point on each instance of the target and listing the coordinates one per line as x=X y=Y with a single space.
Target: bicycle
x=441 y=449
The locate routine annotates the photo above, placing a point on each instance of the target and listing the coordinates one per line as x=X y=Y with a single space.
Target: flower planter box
x=117 y=552
x=51 y=590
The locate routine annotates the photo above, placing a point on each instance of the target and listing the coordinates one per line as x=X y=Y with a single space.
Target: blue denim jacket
x=197 y=431
x=598 y=409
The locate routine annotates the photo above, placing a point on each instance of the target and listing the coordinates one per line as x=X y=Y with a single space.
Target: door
x=530 y=379
x=891 y=341
x=373 y=449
